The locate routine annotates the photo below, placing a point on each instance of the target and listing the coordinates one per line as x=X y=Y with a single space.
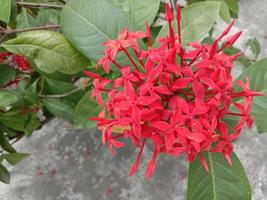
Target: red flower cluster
x=18 y=62
x=174 y=96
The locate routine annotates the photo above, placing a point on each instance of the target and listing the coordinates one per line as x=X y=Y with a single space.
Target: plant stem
x=65 y=94
x=29 y=4
x=45 y=27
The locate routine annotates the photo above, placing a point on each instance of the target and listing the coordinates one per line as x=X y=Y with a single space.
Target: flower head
x=174 y=97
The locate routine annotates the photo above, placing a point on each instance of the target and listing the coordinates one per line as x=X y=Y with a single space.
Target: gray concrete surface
x=67 y=164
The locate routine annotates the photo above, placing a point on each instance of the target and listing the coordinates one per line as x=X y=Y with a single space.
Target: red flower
x=179 y=106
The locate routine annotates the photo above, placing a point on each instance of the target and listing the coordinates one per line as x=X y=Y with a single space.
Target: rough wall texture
x=72 y=165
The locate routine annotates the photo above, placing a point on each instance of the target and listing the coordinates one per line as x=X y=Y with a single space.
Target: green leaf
x=140 y=11
x=87 y=24
x=233 y=6
x=25 y=19
x=85 y=108
x=221 y=183
x=197 y=20
x=49 y=51
x=14 y=158
x=254 y=46
x=32 y=123
x=62 y=108
x=224 y=11
x=7 y=74
x=4 y=143
x=7 y=98
x=57 y=87
x=4 y=175
x=19 y=121
x=48 y=16
x=243 y=59
x=5 y=10
x=257 y=74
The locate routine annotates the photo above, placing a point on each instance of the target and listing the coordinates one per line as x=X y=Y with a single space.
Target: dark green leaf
x=7 y=74
x=25 y=19
x=254 y=46
x=257 y=74
x=62 y=108
x=17 y=120
x=197 y=20
x=140 y=11
x=5 y=10
x=4 y=175
x=233 y=6
x=221 y=183
x=49 y=51
x=48 y=16
x=85 y=108
x=14 y=158
x=224 y=11
x=87 y=24
x=7 y=98
x=4 y=143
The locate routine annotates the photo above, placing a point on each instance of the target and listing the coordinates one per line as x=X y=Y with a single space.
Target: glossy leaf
x=62 y=108
x=25 y=19
x=254 y=45
x=221 y=183
x=48 y=16
x=7 y=98
x=197 y=20
x=4 y=143
x=85 y=108
x=18 y=121
x=87 y=24
x=257 y=74
x=5 y=10
x=4 y=175
x=224 y=11
x=14 y=158
x=139 y=11
x=49 y=51
x=7 y=74
x=233 y=6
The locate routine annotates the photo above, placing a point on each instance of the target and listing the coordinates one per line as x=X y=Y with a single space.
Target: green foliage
x=254 y=45
x=49 y=51
x=197 y=20
x=139 y=11
x=229 y=8
x=57 y=59
x=84 y=109
x=4 y=174
x=89 y=25
x=257 y=74
x=4 y=143
x=14 y=158
x=221 y=182
x=25 y=19
x=7 y=98
x=5 y=10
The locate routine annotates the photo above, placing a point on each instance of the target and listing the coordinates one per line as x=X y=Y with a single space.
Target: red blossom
x=179 y=106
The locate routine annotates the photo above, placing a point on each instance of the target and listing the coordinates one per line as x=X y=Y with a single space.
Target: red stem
x=130 y=58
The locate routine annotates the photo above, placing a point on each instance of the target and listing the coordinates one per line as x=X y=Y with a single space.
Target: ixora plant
x=96 y=63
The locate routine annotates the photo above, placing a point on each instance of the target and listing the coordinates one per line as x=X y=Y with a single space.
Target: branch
x=65 y=94
x=45 y=27
x=28 y=4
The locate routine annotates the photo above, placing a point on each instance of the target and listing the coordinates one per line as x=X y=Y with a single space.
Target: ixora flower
x=17 y=62
x=174 y=96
